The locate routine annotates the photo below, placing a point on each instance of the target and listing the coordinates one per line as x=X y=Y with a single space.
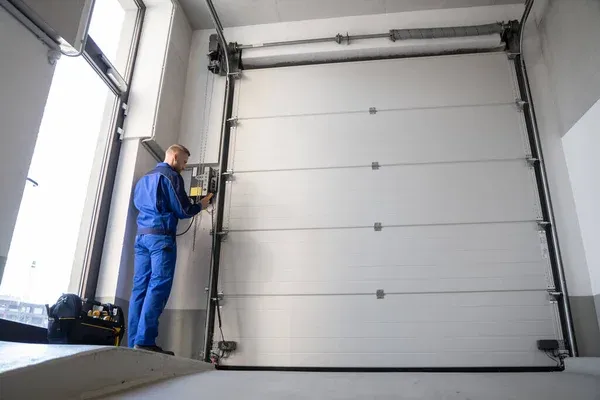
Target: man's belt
x=155 y=231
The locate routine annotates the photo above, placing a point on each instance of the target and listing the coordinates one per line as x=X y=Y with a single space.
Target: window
x=76 y=144
x=121 y=16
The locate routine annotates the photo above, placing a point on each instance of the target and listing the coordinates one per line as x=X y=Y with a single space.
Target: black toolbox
x=72 y=320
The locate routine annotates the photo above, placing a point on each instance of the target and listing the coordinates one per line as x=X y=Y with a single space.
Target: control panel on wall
x=200 y=181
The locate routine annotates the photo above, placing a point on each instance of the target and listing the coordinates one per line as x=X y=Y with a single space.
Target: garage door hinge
x=532 y=160
x=233 y=122
x=221 y=234
x=542 y=225
x=121 y=133
x=220 y=297
x=380 y=294
x=377 y=226
x=554 y=296
x=374 y=165
x=236 y=74
x=228 y=175
x=372 y=110
x=520 y=104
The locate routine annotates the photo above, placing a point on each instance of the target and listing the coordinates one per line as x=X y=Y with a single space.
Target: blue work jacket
x=161 y=200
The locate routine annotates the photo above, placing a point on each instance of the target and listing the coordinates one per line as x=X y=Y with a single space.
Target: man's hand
x=206 y=200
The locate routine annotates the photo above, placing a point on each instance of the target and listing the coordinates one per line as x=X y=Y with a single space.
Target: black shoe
x=153 y=348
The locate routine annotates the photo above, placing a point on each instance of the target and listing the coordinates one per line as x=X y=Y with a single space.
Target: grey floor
x=217 y=385
x=20 y=355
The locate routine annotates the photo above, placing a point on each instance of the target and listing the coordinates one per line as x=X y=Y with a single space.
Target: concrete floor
x=38 y=371
x=232 y=385
x=19 y=355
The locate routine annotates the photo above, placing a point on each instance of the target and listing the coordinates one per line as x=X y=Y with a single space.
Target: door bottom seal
x=393 y=369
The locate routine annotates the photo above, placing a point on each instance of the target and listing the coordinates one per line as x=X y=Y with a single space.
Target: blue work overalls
x=161 y=200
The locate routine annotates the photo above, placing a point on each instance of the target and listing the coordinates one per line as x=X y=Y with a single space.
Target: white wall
x=571 y=49
x=562 y=54
x=25 y=78
x=155 y=110
x=581 y=145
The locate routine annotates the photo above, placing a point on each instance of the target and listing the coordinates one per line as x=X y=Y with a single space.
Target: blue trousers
x=155 y=257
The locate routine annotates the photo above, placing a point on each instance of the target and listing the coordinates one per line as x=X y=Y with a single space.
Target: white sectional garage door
x=459 y=264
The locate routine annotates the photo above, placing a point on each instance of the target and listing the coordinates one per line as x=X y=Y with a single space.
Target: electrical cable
x=221 y=353
x=220 y=321
x=188 y=228
x=554 y=357
x=191 y=223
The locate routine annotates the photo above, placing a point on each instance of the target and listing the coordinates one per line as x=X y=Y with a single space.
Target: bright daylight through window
x=73 y=135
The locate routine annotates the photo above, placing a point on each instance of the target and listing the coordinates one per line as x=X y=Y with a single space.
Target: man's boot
x=154 y=348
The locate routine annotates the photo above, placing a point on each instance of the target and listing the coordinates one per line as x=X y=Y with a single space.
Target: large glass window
x=121 y=17
x=68 y=166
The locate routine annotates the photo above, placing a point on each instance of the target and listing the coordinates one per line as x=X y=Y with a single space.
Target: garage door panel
x=402 y=195
x=321 y=328
x=396 y=303
x=285 y=316
x=392 y=360
x=462 y=263
x=437 y=345
x=420 y=360
x=269 y=325
x=415 y=344
x=306 y=273
x=393 y=137
x=354 y=326
x=411 y=246
x=413 y=311
x=390 y=84
x=524 y=282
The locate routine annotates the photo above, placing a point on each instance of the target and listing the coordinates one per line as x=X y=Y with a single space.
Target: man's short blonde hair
x=175 y=148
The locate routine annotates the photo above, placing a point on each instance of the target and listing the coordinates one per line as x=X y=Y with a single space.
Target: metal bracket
x=236 y=74
x=53 y=56
x=532 y=160
x=125 y=108
x=220 y=296
x=512 y=55
x=228 y=175
x=542 y=225
x=233 y=122
x=372 y=110
x=380 y=294
x=221 y=234
x=520 y=104
x=374 y=165
x=121 y=133
x=377 y=227
x=554 y=296
x=339 y=38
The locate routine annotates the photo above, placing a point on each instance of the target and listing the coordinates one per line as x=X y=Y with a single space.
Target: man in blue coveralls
x=161 y=200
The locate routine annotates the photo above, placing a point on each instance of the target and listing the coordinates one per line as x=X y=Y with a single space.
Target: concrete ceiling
x=253 y=12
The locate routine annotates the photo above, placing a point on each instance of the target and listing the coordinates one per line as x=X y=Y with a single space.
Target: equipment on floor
x=72 y=320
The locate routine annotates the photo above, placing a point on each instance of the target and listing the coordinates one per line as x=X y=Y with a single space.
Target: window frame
x=120 y=86
x=89 y=270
